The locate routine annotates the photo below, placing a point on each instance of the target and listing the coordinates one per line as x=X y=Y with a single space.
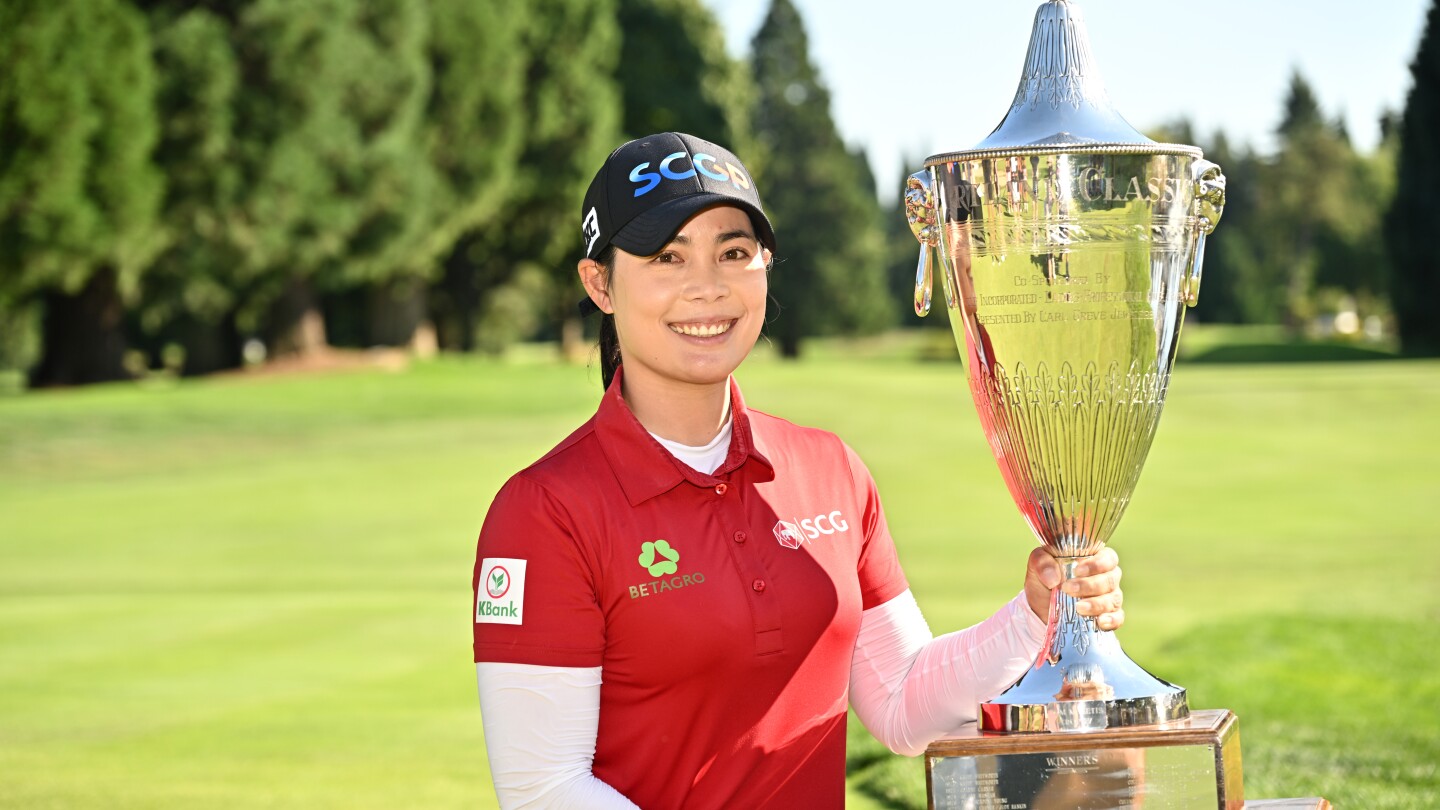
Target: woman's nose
x=706 y=282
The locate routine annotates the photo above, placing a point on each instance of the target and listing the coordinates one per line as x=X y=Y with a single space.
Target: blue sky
x=909 y=78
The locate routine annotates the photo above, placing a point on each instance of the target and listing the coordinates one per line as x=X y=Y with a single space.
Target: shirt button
x=721 y=488
x=758 y=586
x=739 y=537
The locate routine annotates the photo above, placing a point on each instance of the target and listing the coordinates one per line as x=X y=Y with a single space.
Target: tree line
x=182 y=182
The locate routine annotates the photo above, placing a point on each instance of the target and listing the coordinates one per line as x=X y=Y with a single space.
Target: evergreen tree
x=474 y=134
x=1302 y=108
x=78 y=193
x=1353 y=259
x=523 y=263
x=1234 y=288
x=1308 y=206
x=675 y=75
x=385 y=258
x=189 y=293
x=335 y=189
x=303 y=169
x=829 y=277
x=1414 y=216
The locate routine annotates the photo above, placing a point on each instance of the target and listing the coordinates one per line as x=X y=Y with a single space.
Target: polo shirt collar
x=646 y=469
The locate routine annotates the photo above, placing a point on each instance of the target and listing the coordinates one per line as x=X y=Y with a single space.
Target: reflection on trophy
x=1068 y=247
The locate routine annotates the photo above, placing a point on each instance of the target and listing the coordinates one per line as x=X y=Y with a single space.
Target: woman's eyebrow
x=682 y=239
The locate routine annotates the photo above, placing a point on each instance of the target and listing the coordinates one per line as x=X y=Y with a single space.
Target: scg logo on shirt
x=791 y=534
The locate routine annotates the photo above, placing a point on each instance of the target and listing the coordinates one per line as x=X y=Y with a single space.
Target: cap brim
x=647 y=233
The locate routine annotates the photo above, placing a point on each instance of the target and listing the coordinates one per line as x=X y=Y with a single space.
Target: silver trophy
x=1069 y=246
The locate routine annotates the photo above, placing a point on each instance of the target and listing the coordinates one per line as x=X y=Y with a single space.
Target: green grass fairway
x=254 y=592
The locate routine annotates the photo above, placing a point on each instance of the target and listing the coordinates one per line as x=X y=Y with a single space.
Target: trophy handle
x=920 y=212
x=1209 y=205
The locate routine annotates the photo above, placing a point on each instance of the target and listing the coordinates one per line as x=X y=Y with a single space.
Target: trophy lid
x=1061 y=105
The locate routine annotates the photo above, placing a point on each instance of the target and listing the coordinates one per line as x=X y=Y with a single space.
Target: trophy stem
x=1083 y=681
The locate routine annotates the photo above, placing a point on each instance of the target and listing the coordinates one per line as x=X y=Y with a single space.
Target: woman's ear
x=593 y=276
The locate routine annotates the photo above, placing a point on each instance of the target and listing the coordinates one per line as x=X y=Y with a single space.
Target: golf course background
x=253 y=591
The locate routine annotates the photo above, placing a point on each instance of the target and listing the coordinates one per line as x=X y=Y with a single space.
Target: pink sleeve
x=881 y=578
x=533 y=584
x=910 y=689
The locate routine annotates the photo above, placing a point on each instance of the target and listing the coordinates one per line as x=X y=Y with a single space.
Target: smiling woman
x=688 y=590
x=685 y=317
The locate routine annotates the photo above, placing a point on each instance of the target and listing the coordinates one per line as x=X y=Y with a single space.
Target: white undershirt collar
x=706 y=459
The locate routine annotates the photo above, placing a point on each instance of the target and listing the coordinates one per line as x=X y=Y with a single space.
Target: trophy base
x=1084 y=716
x=1188 y=764
x=1088 y=685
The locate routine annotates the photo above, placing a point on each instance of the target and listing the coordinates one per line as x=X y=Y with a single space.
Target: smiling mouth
x=702 y=329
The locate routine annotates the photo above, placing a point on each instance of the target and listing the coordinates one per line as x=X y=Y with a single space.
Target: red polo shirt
x=723 y=608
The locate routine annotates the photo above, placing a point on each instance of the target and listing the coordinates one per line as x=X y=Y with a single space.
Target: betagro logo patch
x=500 y=594
x=649 y=554
x=660 y=559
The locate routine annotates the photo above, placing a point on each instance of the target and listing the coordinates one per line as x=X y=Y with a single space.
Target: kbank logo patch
x=500 y=594
x=662 y=560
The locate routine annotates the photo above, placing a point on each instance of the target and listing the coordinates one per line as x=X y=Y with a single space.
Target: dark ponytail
x=609 y=340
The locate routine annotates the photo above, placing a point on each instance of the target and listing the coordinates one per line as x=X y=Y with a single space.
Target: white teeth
x=701 y=329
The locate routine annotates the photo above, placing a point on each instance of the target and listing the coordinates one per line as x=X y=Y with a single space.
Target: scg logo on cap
x=649 y=180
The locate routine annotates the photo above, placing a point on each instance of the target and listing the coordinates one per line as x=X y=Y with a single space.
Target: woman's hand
x=1096 y=585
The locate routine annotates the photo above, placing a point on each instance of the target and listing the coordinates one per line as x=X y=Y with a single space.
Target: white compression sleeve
x=540 y=727
x=910 y=689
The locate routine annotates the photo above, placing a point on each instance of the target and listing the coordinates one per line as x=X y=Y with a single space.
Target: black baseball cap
x=650 y=186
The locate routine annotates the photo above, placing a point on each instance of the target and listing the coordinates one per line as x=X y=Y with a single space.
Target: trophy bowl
x=1069 y=246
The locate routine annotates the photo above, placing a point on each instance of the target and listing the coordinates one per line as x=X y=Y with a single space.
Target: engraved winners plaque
x=1193 y=763
x=1069 y=246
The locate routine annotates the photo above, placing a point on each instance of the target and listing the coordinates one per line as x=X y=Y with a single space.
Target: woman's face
x=691 y=312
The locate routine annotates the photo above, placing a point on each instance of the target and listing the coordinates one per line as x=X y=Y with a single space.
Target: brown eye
x=736 y=255
x=667 y=257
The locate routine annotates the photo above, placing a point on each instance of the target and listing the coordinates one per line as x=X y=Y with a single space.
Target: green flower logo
x=660 y=548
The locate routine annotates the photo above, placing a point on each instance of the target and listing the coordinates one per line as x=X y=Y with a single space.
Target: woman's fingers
x=1102 y=561
x=1096 y=587
x=1111 y=621
x=1096 y=576
x=1111 y=602
x=1044 y=568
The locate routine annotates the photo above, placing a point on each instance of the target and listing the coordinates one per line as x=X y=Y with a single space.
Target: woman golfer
x=676 y=604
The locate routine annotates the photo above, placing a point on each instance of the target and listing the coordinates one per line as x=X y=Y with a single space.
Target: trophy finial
x=1061 y=99
x=1059 y=67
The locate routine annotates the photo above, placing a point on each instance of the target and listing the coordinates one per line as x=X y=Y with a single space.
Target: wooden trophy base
x=1185 y=765
x=1193 y=764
